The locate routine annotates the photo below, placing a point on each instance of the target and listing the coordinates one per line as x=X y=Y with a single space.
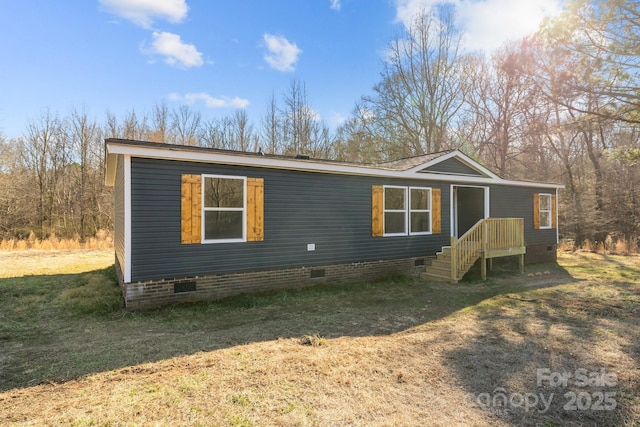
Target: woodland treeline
x=562 y=105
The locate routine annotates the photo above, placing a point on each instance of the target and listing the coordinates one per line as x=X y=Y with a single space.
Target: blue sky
x=216 y=56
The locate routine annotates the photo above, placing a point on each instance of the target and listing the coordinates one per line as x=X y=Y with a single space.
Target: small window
x=420 y=210
x=223 y=208
x=395 y=211
x=545 y=208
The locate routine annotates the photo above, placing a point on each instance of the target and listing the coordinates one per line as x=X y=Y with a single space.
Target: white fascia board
x=173 y=153
x=110 y=174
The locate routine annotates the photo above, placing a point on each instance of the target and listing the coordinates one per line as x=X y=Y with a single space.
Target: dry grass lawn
x=400 y=352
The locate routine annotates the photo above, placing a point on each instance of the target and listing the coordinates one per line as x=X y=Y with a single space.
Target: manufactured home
x=196 y=223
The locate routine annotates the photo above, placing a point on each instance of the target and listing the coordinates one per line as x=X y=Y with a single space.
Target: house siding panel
x=452 y=166
x=331 y=211
x=517 y=202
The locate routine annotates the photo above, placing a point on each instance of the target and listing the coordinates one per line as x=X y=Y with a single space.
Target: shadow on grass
x=61 y=327
x=529 y=354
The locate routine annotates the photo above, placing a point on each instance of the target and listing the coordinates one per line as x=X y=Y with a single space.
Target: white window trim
x=243 y=210
x=550 y=210
x=406 y=211
x=430 y=210
x=385 y=210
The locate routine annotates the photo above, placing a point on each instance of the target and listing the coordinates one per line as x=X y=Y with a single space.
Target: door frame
x=454 y=205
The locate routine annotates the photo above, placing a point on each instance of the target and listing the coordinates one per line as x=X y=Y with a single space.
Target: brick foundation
x=150 y=294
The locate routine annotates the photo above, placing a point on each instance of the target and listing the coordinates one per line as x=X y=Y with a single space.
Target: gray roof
x=411 y=162
x=395 y=165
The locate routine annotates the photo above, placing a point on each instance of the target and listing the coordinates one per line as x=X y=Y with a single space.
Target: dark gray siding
x=453 y=166
x=118 y=217
x=517 y=202
x=331 y=211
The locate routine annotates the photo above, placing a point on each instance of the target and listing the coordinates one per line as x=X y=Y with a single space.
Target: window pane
x=545 y=202
x=222 y=225
x=420 y=199
x=420 y=222
x=394 y=222
x=545 y=219
x=223 y=193
x=394 y=198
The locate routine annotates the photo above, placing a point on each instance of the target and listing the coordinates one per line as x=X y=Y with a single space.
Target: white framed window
x=223 y=209
x=545 y=209
x=419 y=210
x=407 y=210
x=395 y=211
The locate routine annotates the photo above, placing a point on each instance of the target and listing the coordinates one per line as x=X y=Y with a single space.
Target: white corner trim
x=127 y=219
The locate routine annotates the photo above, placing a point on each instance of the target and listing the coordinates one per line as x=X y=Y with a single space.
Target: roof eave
x=116 y=147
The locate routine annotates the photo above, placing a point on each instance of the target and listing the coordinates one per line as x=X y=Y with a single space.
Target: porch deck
x=489 y=238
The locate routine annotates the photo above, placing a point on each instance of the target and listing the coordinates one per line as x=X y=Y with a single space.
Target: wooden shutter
x=255 y=209
x=191 y=209
x=536 y=211
x=554 y=221
x=436 y=211
x=377 y=211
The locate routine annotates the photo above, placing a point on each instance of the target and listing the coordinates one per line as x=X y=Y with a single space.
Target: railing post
x=484 y=235
x=483 y=250
x=454 y=259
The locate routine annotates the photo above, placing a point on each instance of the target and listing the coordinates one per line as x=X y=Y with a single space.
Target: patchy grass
x=399 y=352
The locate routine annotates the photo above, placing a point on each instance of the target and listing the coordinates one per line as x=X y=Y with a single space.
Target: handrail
x=486 y=234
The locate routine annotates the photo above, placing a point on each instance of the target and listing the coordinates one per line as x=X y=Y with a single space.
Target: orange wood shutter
x=536 y=211
x=436 y=211
x=191 y=209
x=377 y=211
x=554 y=221
x=255 y=209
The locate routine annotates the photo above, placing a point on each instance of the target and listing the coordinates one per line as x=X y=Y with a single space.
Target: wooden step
x=442 y=263
x=438 y=271
x=446 y=250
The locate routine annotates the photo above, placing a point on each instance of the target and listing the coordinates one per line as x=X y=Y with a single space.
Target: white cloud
x=175 y=51
x=487 y=24
x=282 y=54
x=209 y=101
x=406 y=10
x=144 y=12
x=335 y=5
x=336 y=119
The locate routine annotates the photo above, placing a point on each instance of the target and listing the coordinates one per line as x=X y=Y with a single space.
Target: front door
x=470 y=204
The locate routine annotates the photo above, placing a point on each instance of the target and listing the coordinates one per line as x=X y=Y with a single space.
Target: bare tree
x=86 y=185
x=160 y=124
x=500 y=101
x=603 y=38
x=422 y=86
x=243 y=138
x=185 y=124
x=215 y=133
x=44 y=152
x=271 y=129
